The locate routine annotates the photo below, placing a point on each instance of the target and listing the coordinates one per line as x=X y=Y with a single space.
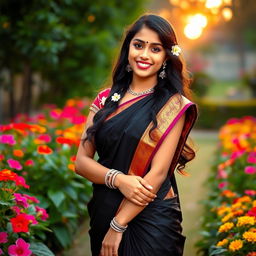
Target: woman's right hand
x=135 y=189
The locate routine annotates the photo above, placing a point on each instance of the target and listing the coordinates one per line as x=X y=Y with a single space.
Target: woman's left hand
x=111 y=243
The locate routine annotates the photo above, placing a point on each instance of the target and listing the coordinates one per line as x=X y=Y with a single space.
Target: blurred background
x=53 y=51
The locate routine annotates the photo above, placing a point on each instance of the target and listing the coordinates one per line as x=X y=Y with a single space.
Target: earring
x=163 y=73
x=128 y=68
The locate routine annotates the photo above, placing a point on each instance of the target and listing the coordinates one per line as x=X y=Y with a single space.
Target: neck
x=139 y=84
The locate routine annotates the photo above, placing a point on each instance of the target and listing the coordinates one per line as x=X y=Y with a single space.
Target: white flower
x=176 y=50
x=103 y=99
x=116 y=97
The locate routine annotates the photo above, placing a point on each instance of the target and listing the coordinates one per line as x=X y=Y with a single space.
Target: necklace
x=140 y=93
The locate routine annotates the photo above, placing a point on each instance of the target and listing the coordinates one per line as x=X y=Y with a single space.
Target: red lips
x=143 y=65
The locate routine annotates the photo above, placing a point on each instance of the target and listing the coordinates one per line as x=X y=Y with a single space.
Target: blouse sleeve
x=99 y=101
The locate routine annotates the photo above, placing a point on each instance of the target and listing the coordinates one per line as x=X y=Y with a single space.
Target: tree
x=69 y=43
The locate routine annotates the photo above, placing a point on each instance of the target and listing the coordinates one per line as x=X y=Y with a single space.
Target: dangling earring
x=128 y=68
x=163 y=73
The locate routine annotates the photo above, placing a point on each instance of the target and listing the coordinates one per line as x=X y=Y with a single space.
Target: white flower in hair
x=115 y=97
x=103 y=99
x=176 y=50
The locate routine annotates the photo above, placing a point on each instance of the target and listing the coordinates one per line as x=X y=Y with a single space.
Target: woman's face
x=146 y=53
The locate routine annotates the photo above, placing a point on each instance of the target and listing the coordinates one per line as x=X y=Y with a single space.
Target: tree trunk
x=25 y=101
x=12 y=111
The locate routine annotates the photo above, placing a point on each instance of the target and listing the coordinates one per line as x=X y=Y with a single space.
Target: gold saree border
x=167 y=117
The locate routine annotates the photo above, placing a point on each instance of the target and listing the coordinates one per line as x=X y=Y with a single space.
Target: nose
x=144 y=53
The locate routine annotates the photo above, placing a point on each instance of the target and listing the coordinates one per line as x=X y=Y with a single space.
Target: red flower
x=20 y=223
x=6 y=174
x=252 y=212
x=29 y=163
x=44 y=149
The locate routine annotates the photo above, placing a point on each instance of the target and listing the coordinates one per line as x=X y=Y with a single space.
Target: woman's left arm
x=155 y=177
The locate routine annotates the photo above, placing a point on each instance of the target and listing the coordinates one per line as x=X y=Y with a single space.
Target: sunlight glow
x=213 y=3
x=193 y=31
x=198 y=20
x=227 y=14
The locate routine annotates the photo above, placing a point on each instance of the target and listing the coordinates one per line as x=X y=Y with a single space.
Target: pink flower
x=78 y=120
x=29 y=163
x=3 y=237
x=21 y=200
x=233 y=121
x=21 y=248
x=222 y=184
x=250 y=169
x=42 y=213
x=250 y=192
x=45 y=137
x=1 y=252
x=20 y=181
x=236 y=154
x=222 y=174
x=14 y=164
x=252 y=158
x=16 y=209
x=32 y=199
x=55 y=114
x=32 y=219
x=7 y=139
x=1 y=157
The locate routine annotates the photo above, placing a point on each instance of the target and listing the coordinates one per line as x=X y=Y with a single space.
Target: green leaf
x=214 y=250
x=40 y=249
x=57 y=197
x=71 y=192
x=63 y=235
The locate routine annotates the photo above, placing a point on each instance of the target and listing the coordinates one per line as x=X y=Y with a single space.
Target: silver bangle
x=110 y=178
x=117 y=227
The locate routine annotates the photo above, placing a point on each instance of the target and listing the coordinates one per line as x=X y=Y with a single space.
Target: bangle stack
x=110 y=178
x=117 y=227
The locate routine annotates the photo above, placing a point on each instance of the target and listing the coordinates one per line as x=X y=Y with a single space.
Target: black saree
x=157 y=229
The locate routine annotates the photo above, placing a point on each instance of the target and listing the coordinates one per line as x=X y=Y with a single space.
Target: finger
x=135 y=201
x=144 y=199
x=146 y=184
x=147 y=193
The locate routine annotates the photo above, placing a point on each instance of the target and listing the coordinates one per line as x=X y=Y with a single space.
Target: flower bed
x=42 y=150
x=229 y=223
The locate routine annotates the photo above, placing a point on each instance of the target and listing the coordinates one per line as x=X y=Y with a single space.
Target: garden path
x=192 y=191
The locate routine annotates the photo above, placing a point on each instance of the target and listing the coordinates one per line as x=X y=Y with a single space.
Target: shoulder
x=99 y=102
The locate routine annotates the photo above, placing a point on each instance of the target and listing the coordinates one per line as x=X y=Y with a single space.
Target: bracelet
x=110 y=178
x=117 y=227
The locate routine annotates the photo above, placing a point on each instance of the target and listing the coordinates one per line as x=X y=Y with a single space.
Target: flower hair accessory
x=116 y=97
x=176 y=50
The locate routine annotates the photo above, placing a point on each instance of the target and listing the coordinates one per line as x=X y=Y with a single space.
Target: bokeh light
x=193 y=31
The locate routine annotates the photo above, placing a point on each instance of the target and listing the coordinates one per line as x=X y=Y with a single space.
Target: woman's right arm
x=134 y=188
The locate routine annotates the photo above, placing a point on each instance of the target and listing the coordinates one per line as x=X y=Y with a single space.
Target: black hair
x=177 y=79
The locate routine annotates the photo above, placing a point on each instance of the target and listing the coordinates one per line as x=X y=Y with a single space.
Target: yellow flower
x=226 y=227
x=245 y=220
x=236 y=206
x=235 y=245
x=223 y=209
x=254 y=203
x=222 y=242
x=227 y=217
x=250 y=236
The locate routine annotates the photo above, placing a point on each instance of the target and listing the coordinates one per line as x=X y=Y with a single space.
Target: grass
x=191 y=190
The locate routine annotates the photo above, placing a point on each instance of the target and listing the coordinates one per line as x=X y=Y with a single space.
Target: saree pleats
x=157 y=229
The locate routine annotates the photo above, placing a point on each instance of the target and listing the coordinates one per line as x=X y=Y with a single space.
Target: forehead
x=147 y=34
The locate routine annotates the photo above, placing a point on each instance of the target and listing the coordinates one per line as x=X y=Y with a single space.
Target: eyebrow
x=141 y=41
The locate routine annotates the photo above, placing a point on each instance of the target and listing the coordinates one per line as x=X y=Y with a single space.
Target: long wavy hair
x=176 y=81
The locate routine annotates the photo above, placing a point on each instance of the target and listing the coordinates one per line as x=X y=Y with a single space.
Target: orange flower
x=235 y=245
x=226 y=227
x=37 y=128
x=245 y=220
x=44 y=149
x=250 y=236
x=71 y=167
x=18 y=153
x=222 y=242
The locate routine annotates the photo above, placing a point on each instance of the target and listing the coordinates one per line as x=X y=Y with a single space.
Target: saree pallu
x=120 y=144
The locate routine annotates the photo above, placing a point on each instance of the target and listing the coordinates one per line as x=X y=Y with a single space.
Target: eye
x=156 y=49
x=137 y=45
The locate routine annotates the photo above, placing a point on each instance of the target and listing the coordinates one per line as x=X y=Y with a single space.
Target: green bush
x=213 y=114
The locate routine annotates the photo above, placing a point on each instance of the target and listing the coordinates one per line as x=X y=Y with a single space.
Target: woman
x=139 y=128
